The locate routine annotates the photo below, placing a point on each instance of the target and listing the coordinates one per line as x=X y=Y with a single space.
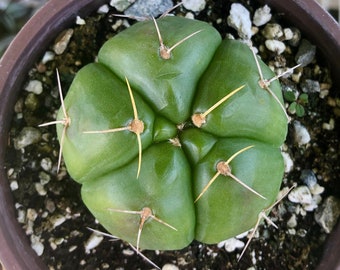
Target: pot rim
x=34 y=37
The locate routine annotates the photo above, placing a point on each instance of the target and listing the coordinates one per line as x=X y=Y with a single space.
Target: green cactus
x=174 y=135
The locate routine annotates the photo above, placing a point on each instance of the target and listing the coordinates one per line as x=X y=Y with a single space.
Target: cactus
x=174 y=135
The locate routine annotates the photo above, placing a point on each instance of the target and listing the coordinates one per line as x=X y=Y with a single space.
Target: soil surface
x=56 y=221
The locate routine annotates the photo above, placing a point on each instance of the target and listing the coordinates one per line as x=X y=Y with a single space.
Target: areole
x=15 y=251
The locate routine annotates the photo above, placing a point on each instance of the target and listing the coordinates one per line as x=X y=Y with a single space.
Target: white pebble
x=27 y=136
x=300 y=211
x=10 y=172
x=80 y=21
x=103 y=9
x=31 y=214
x=59 y=241
x=288 y=162
x=292 y=231
x=301 y=232
x=262 y=16
x=330 y=125
x=29 y=227
x=169 y=266
x=239 y=19
x=128 y=252
x=190 y=15
x=297 y=76
x=94 y=240
x=50 y=205
x=317 y=189
x=231 y=244
x=253 y=257
x=117 y=24
x=194 y=5
x=36 y=245
x=48 y=56
x=254 y=30
x=72 y=248
x=291 y=223
x=301 y=195
x=55 y=242
x=57 y=220
x=324 y=93
x=242 y=235
x=46 y=164
x=301 y=134
x=34 y=86
x=40 y=189
x=316 y=199
x=275 y=46
x=44 y=178
x=288 y=33
x=62 y=41
x=53 y=246
x=14 y=185
x=105 y=266
x=21 y=216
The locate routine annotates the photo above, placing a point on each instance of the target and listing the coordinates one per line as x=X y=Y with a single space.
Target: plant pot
x=30 y=43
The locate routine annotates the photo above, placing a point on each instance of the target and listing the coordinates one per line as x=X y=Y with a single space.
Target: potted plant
x=30 y=44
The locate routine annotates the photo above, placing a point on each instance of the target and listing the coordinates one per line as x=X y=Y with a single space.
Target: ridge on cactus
x=174 y=135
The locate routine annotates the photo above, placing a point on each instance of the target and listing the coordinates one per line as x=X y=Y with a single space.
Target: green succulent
x=297 y=104
x=172 y=136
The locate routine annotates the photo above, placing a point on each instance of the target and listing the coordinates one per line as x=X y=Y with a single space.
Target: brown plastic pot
x=30 y=43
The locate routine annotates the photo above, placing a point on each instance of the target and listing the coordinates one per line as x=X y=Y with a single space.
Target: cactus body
x=178 y=158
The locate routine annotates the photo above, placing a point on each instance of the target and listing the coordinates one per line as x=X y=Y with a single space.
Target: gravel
x=49 y=205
